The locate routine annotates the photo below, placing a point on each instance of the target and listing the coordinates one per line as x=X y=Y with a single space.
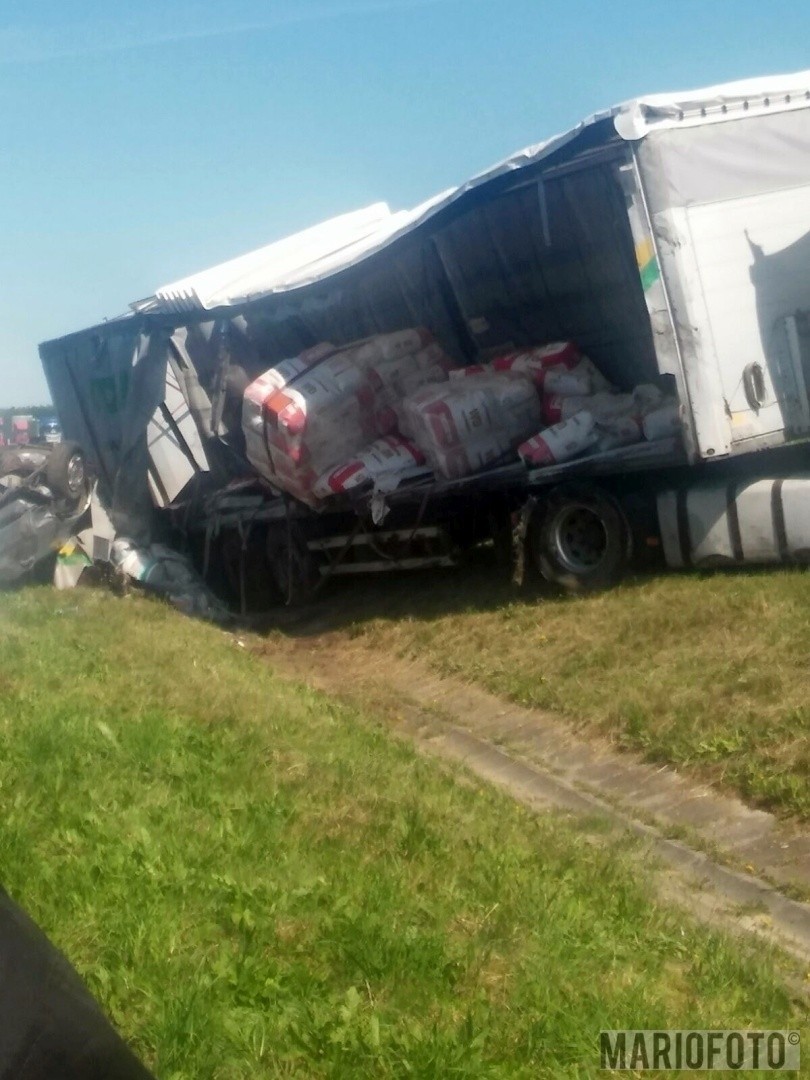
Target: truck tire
x=580 y=540
x=66 y=472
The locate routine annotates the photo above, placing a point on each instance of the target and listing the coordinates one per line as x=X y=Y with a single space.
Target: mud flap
x=520 y=534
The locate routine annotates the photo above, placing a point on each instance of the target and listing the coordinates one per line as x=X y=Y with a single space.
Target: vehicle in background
x=50 y=431
x=44 y=493
x=24 y=430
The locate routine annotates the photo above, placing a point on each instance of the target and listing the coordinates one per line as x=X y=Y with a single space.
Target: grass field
x=708 y=672
x=256 y=881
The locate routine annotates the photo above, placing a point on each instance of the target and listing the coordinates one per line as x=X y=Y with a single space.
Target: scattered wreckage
x=44 y=494
x=600 y=346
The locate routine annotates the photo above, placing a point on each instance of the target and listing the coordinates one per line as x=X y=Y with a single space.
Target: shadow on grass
x=479 y=584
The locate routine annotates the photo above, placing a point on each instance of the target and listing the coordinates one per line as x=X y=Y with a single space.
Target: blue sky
x=145 y=141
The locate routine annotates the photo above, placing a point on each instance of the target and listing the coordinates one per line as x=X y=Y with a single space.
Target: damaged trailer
x=668 y=239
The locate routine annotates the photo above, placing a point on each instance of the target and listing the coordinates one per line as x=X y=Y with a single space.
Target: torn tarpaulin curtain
x=132 y=503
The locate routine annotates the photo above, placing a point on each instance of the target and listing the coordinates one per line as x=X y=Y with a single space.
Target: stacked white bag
x=385 y=459
x=309 y=415
x=487 y=410
x=599 y=423
x=473 y=422
x=332 y=419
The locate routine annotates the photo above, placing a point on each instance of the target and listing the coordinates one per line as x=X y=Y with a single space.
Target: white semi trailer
x=669 y=237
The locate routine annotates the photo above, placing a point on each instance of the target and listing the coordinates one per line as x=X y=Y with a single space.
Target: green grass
x=257 y=881
x=707 y=672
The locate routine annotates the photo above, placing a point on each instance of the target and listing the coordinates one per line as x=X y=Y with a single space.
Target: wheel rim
x=580 y=538
x=75 y=473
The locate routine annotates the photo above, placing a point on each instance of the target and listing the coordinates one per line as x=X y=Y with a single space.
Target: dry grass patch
x=707 y=672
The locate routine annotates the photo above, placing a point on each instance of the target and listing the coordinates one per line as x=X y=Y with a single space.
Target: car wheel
x=66 y=472
x=580 y=539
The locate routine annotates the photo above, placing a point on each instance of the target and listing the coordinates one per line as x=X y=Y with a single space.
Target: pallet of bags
x=309 y=415
x=470 y=423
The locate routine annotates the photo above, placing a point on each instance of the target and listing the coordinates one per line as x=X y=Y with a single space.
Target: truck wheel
x=292 y=566
x=580 y=541
x=66 y=472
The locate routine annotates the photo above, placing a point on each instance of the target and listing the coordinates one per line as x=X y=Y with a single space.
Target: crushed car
x=44 y=493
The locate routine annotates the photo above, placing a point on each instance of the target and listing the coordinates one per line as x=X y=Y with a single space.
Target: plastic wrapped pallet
x=275 y=378
x=325 y=412
x=310 y=415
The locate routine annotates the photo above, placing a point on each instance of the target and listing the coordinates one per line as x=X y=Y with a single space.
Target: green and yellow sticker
x=647 y=263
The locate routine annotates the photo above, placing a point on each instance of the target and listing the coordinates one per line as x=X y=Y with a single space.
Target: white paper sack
x=481 y=452
x=599 y=383
x=384 y=458
x=624 y=431
x=469 y=371
x=663 y=422
x=390 y=346
x=550 y=372
x=403 y=342
x=604 y=407
x=538 y=358
x=480 y=419
x=517 y=401
x=449 y=415
x=561 y=442
x=647 y=397
x=396 y=378
x=565 y=382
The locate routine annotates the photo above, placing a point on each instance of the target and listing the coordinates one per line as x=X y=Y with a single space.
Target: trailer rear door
x=730 y=207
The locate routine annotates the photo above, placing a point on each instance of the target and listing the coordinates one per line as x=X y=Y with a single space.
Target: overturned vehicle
x=44 y=494
x=597 y=348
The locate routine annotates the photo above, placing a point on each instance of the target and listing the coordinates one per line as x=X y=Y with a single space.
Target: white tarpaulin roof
x=323 y=250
